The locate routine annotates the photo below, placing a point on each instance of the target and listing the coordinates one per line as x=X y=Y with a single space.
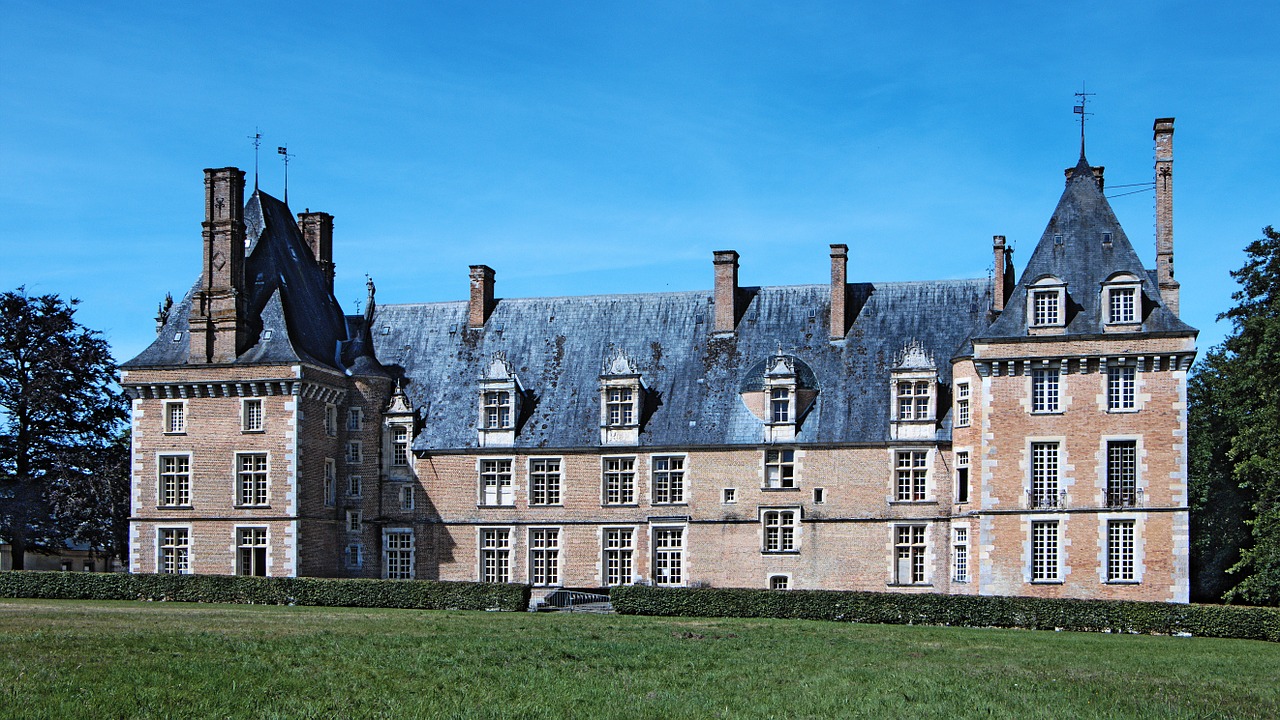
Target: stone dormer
x=398 y=431
x=913 y=389
x=622 y=395
x=499 y=403
x=780 y=391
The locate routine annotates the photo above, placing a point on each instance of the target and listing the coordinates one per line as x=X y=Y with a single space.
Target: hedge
x=1223 y=621
x=419 y=594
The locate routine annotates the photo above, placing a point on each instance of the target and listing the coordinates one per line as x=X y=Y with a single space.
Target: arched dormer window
x=779 y=391
x=500 y=396
x=1122 y=302
x=913 y=387
x=622 y=393
x=1047 y=304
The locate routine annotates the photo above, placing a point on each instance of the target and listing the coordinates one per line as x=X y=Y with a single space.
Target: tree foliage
x=1234 y=402
x=61 y=467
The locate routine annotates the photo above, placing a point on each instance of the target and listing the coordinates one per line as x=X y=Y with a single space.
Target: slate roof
x=559 y=347
x=1083 y=262
x=288 y=294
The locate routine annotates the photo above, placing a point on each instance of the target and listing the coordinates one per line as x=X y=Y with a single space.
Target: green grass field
x=67 y=659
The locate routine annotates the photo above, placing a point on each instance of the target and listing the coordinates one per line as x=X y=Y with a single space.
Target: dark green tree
x=62 y=415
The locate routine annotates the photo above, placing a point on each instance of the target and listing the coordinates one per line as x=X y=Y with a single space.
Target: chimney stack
x=481 y=305
x=218 y=331
x=1002 y=276
x=839 y=290
x=726 y=292
x=317 y=232
x=1163 y=129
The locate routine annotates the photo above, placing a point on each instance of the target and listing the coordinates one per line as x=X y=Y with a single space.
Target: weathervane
x=283 y=150
x=256 y=137
x=1079 y=110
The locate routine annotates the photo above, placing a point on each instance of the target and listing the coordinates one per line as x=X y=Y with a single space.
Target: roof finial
x=256 y=137
x=1079 y=110
x=284 y=150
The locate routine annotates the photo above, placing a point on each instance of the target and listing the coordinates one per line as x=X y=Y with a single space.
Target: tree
x=62 y=414
x=1235 y=436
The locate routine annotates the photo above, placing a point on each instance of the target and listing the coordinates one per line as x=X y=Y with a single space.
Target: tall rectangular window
x=909 y=546
x=1123 y=306
x=779 y=530
x=668 y=556
x=960 y=555
x=330 y=481
x=1045 y=308
x=251 y=479
x=175 y=481
x=175 y=417
x=495 y=483
x=544 y=556
x=497 y=409
x=252 y=416
x=355 y=486
x=1044 y=474
x=1044 y=551
x=619 y=406
x=353 y=555
x=495 y=555
x=962 y=476
x=355 y=452
x=962 y=405
x=1122 y=473
x=912 y=475
x=175 y=551
x=399 y=445
x=1121 y=385
x=330 y=420
x=355 y=521
x=780 y=405
x=668 y=480
x=619 y=554
x=1120 y=551
x=780 y=468
x=1044 y=390
x=619 y=481
x=398 y=554
x=913 y=400
x=355 y=418
x=544 y=481
x=406 y=498
x=251 y=551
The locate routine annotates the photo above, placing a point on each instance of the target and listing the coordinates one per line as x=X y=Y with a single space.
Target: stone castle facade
x=1005 y=435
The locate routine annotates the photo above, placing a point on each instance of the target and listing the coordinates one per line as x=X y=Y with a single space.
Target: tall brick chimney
x=726 y=292
x=839 y=291
x=482 y=303
x=317 y=232
x=1169 y=287
x=217 y=324
x=1002 y=275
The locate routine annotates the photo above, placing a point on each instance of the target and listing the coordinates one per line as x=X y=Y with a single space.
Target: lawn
x=71 y=659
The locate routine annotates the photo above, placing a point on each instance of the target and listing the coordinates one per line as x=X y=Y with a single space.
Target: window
x=962 y=476
x=544 y=556
x=1044 y=390
x=619 y=481
x=406 y=498
x=1122 y=306
x=819 y=495
x=355 y=486
x=251 y=551
x=544 y=481
x=1120 y=551
x=1122 y=473
x=912 y=475
x=66 y=565
x=497 y=410
x=1121 y=382
x=780 y=468
x=175 y=551
x=960 y=555
x=619 y=550
x=779 y=582
x=962 y=404
x=619 y=406
x=398 y=554
x=668 y=480
x=251 y=415
x=779 y=531
x=330 y=481
x=355 y=521
x=495 y=555
x=1044 y=551
x=355 y=452
x=251 y=479
x=1046 y=307
x=913 y=400
x=330 y=420
x=780 y=405
x=1044 y=474
x=399 y=445
x=354 y=555
x=495 y=483
x=175 y=480
x=668 y=556
x=909 y=550
x=729 y=496
x=175 y=417
x=355 y=418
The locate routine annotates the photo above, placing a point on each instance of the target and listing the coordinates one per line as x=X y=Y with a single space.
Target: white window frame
x=546 y=483
x=913 y=400
x=1122 y=388
x=964 y=476
x=780 y=530
x=180 y=549
x=499 y=410
x=1122 y=470
x=781 y=405
x=407 y=498
x=399 y=554
x=960 y=554
x=620 y=406
x=258 y=539
x=911 y=543
x=911 y=476
x=669 y=484
x=1045 y=463
x=1046 y=306
x=253 y=484
x=175 y=417
x=617 y=555
x=729 y=496
x=181 y=488
x=330 y=482
x=545 y=545
x=1122 y=551
x=964 y=409
x=668 y=562
x=399 y=446
x=496 y=482
x=251 y=420
x=780 y=469
x=1116 y=312
x=779 y=581
x=494 y=547
x=618 y=483
x=1046 y=551
x=1046 y=390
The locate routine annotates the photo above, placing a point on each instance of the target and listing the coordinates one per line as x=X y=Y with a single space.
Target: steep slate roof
x=1083 y=263
x=559 y=347
x=287 y=294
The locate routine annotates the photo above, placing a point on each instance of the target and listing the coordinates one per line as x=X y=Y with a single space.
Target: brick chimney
x=1169 y=287
x=317 y=232
x=1002 y=275
x=481 y=305
x=217 y=324
x=726 y=292
x=839 y=291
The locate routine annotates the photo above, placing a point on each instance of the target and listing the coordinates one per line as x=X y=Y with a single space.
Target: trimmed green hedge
x=1224 y=621
x=420 y=594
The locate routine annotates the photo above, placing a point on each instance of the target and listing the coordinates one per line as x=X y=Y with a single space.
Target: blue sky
x=584 y=148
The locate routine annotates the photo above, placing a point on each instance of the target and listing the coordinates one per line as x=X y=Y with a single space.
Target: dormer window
x=913 y=400
x=913 y=394
x=621 y=400
x=500 y=396
x=780 y=405
x=620 y=409
x=497 y=410
x=1122 y=301
x=1046 y=306
x=780 y=390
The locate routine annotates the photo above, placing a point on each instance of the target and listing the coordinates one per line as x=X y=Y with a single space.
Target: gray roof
x=288 y=294
x=1083 y=262
x=558 y=348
